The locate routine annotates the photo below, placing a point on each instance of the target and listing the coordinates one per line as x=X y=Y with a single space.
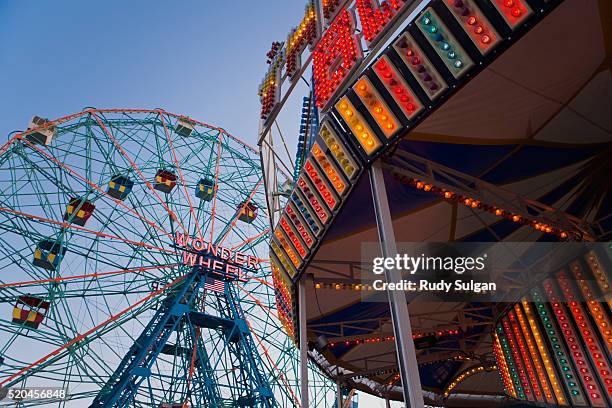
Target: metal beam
x=303 y=343
x=404 y=344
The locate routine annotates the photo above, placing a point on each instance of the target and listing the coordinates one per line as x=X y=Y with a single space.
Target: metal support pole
x=404 y=344
x=303 y=343
x=387 y=403
x=338 y=394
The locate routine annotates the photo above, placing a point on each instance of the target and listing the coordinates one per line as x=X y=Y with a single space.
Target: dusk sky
x=201 y=58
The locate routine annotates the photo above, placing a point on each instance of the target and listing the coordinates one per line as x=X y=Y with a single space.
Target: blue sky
x=201 y=58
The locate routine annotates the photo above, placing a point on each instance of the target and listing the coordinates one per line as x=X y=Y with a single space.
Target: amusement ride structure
x=445 y=121
x=134 y=276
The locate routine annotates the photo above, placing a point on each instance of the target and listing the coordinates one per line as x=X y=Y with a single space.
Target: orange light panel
x=330 y=169
x=339 y=151
x=360 y=129
x=329 y=197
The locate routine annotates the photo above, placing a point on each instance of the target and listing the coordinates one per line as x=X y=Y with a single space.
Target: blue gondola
x=205 y=189
x=119 y=187
x=48 y=254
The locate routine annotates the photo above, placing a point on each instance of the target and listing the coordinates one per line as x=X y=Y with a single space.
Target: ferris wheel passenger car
x=120 y=187
x=30 y=311
x=78 y=211
x=205 y=189
x=48 y=254
x=165 y=181
x=247 y=212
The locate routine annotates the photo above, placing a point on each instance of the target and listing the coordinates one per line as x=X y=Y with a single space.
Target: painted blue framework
x=178 y=312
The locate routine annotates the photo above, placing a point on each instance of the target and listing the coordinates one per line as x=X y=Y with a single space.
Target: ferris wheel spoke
x=92 y=185
x=39 y=364
x=135 y=167
x=235 y=217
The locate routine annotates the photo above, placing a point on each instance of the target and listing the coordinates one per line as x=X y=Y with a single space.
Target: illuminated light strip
x=307 y=213
x=516 y=380
x=373 y=21
x=385 y=119
x=299 y=224
x=287 y=265
x=360 y=129
x=576 y=350
x=284 y=299
x=465 y=374
x=335 y=55
x=513 y=11
x=293 y=236
x=475 y=24
x=503 y=367
x=397 y=87
x=283 y=240
x=343 y=157
x=330 y=170
x=312 y=197
x=328 y=195
x=599 y=357
x=520 y=365
x=596 y=308
x=550 y=371
x=539 y=368
x=419 y=65
x=537 y=391
x=560 y=352
x=600 y=276
x=446 y=46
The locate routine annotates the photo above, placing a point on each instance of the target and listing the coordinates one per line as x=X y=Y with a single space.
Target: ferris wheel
x=100 y=214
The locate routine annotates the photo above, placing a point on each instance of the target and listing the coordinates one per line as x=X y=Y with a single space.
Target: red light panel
x=513 y=11
x=330 y=170
x=517 y=360
x=419 y=65
x=374 y=18
x=314 y=200
x=334 y=57
x=293 y=237
x=397 y=87
x=537 y=391
x=282 y=239
x=503 y=367
x=300 y=225
x=329 y=197
x=574 y=342
x=475 y=24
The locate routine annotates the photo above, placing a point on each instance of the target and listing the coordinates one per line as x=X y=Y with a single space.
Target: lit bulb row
x=321 y=186
x=397 y=87
x=358 y=126
x=301 y=206
x=420 y=66
x=293 y=237
x=514 y=348
x=283 y=299
x=299 y=37
x=574 y=342
x=550 y=371
x=301 y=228
x=539 y=369
x=285 y=263
x=474 y=23
x=554 y=339
x=373 y=21
x=339 y=152
x=512 y=366
x=337 y=41
x=447 y=48
x=600 y=276
x=537 y=391
x=329 y=7
x=329 y=169
x=596 y=308
x=476 y=204
x=343 y=286
x=312 y=199
x=513 y=11
x=379 y=110
x=504 y=373
x=297 y=262
x=468 y=373
x=383 y=339
x=597 y=355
